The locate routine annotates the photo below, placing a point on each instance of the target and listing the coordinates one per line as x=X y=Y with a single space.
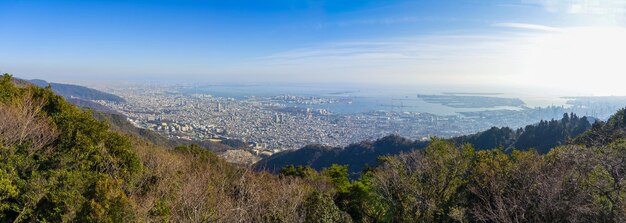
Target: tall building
x=276 y=118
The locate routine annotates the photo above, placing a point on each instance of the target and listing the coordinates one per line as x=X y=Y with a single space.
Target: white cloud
x=436 y=59
x=528 y=26
x=597 y=7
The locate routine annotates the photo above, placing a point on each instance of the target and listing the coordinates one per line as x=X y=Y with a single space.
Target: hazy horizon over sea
x=369 y=98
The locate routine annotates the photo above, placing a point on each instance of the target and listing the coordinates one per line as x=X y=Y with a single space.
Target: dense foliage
x=445 y=183
x=542 y=136
x=60 y=164
x=602 y=133
x=57 y=163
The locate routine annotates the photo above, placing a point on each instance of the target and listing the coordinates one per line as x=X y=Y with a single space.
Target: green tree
x=320 y=208
x=338 y=175
x=108 y=203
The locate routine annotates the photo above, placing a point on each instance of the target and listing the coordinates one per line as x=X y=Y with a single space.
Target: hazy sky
x=576 y=45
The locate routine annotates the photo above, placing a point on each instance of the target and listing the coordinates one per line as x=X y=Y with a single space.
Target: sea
x=372 y=98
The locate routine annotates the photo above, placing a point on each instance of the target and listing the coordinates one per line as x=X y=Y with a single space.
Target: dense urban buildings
x=280 y=122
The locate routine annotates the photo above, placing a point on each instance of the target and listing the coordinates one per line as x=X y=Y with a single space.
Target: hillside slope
x=603 y=133
x=542 y=136
x=75 y=91
x=119 y=123
x=356 y=156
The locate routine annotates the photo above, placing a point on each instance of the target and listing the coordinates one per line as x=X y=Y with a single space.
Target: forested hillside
x=76 y=91
x=60 y=164
x=602 y=133
x=542 y=137
x=80 y=96
x=356 y=156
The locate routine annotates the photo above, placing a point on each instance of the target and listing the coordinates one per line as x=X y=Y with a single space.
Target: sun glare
x=578 y=60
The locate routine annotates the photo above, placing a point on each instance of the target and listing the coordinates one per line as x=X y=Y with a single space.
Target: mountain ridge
x=76 y=91
x=358 y=156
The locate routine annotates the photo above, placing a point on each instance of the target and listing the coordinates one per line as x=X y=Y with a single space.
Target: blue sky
x=393 y=41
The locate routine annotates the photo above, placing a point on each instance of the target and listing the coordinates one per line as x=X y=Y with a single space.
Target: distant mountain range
x=70 y=91
x=79 y=95
x=542 y=137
